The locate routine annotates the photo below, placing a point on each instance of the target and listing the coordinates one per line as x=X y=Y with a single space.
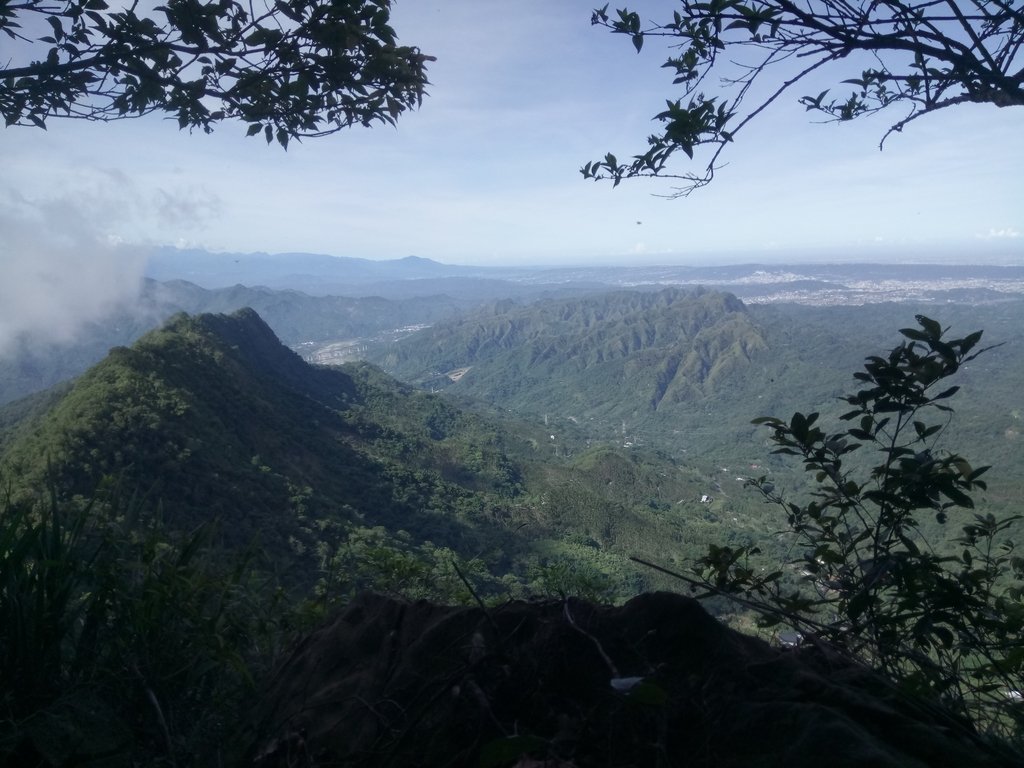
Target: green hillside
x=211 y=418
x=578 y=356
x=687 y=372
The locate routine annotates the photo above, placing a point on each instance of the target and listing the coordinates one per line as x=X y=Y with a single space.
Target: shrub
x=118 y=644
x=941 y=617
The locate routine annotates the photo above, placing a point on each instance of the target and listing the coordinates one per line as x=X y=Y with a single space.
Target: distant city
x=826 y=284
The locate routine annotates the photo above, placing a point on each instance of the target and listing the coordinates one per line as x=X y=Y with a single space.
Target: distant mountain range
x=335 y=309
x=805 y=283
x=321 y=275
x=218 y=270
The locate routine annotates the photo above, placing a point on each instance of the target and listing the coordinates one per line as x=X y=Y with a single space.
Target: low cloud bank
x=59 y=271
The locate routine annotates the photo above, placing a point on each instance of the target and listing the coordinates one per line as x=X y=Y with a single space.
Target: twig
x=597 y=643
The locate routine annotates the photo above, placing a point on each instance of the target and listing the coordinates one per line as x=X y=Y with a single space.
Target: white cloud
x=187 y=208
x=58 y=270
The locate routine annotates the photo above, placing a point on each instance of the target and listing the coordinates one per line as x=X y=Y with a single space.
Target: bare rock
x=656 y=682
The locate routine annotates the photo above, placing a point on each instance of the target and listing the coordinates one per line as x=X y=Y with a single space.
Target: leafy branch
x=926 y=56
x=943 y=618
x=288 y=68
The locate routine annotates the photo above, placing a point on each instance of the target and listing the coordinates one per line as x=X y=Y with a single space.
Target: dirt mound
x=656 y=682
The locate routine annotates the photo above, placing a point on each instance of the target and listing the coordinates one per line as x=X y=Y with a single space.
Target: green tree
x=287 y=68
x=920 y=55
x=943 y=616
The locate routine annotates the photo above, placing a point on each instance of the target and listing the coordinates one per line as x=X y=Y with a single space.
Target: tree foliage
x=287 y=68
x=921 y=56
x=942 y=617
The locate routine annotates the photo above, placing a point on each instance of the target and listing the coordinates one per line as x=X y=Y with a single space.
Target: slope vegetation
x=211 y=418
x=666 y=347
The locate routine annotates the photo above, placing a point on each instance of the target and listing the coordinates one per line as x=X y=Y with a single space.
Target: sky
x=487 y=172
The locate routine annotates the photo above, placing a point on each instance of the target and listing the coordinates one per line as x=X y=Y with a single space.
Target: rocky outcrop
x=656 y=682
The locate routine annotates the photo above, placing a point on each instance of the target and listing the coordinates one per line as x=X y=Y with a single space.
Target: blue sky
x=487 y=172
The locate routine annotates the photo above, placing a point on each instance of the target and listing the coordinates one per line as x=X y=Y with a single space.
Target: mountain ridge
x=671 y=344
x=225 y=269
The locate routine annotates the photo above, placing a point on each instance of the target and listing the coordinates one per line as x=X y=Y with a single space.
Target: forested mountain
x=683 y=370
x=687 y=372
x=664 y=347
x=211 y=417
x=214 y=418
x=296 y=318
